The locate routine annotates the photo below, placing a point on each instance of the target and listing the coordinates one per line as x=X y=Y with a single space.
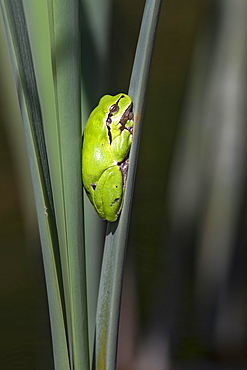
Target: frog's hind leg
x=108 y=193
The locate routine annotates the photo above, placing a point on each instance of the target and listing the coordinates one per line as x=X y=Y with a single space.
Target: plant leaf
x=117 y=233
x=22 y=63
x=66 y=163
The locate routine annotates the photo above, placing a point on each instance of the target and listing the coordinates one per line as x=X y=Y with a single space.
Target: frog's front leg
x=108 y=194
x=120 y=146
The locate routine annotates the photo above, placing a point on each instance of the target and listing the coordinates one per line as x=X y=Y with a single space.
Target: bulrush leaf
x=117 y=233
x=65 y=164
x=22 y=62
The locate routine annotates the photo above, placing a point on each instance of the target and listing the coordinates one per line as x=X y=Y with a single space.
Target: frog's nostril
x=93 y=186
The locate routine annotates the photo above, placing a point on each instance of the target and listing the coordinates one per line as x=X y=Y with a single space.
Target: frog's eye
x=114 y=108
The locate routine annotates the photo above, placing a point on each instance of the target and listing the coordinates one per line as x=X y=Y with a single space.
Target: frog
x=106 y=146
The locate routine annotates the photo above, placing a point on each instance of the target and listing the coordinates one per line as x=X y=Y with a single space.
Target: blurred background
x=184 y=302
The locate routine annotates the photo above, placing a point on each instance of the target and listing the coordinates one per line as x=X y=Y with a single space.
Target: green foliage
x=49 y=91
x=117 y=233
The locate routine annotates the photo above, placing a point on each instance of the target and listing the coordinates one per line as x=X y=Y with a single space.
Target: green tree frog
x=105 y=154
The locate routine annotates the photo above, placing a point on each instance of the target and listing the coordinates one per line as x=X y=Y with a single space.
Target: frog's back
x=96 y=153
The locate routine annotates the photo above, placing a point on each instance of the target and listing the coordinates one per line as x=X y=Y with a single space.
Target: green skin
x=106 y=144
